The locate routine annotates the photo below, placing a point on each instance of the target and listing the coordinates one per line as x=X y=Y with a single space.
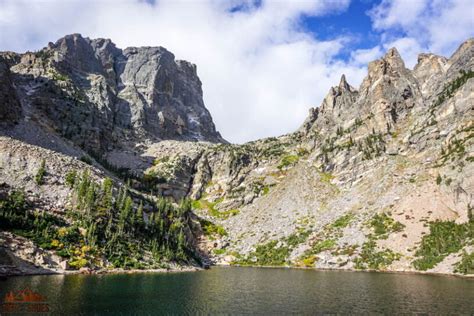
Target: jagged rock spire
x=393 y=58
x=343 y=83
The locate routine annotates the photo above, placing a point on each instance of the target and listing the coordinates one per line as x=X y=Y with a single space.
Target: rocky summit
x=110 y=160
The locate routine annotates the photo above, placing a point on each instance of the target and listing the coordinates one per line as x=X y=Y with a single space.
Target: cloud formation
x=261 y=69
x=437 y=26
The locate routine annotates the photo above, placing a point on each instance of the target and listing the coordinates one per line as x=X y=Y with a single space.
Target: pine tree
x=106 y=202
x=39 y=177
x=140 y=220
x=90 y=199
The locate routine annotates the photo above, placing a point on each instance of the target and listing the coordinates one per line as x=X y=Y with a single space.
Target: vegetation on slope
x=383 y=225
x=445 y=237
x=104 y=223
x=370 y=258
x=466 y=265
x=274 y=252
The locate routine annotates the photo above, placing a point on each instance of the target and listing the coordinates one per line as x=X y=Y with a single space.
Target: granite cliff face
x=101 y=97
x=380 y=177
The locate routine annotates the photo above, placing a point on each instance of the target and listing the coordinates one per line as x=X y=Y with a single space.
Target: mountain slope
x=380 y=177
x=367 y=182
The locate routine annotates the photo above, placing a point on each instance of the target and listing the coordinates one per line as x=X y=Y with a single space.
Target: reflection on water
x=251 y=291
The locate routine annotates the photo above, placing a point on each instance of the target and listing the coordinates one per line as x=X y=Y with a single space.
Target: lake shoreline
x=6 y=274
x=465 y=276
x=196 y=269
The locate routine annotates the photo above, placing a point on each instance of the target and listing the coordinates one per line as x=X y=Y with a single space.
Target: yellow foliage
x=62 y=231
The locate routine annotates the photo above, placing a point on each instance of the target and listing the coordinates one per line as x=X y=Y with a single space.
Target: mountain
x=380 y=177
x=101 y=97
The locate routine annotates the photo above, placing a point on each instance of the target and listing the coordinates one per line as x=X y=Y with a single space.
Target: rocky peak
x=429 y=68
x=465 y=51
x=393 y=58
x=75 y=53
x=338 y=103
x=343 y=85
x=461 y=59
x=390 y=65
x=139 y=93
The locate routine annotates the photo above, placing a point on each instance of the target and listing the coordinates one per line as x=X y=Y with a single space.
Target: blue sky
x=354 y=22
x=263 y=63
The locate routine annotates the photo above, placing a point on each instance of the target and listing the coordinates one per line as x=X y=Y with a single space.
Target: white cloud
x=364 y=56
x=413 y=26
x=398 y=13
x=260 y=71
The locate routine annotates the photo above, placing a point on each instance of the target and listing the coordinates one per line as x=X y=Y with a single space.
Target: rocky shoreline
x=11 y=271
x=20 y=257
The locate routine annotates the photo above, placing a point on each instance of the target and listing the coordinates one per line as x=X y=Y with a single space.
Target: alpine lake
x=243 y=290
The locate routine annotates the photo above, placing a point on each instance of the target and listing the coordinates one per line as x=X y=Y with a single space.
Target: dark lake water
x=250 y=291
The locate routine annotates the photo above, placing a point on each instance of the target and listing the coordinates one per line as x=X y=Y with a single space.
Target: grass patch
x=211 y=229
x=326 y=177
x=288 y=161
x=218 y=251
x=323 y=245
x=343 y=221
x=203 y=204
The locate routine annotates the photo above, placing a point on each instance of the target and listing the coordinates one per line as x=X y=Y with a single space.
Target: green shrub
x=71 y=178
x=297 y=238
x=372 y=259
x=270 y=255
x=266 y=190
x=39 y=177
x=466 y=265
x=78 y=263
x=445 y=237
x=384 y=225
x=275 y=252
x=309 y=261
